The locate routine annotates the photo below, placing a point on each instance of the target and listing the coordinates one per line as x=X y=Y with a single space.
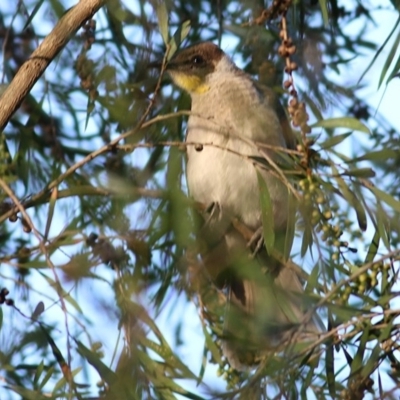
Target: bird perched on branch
x=242 y=133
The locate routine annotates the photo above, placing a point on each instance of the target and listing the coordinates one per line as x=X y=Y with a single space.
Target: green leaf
x=330 y=365
x=395 y=72
x=38 y=372
x=360 y=173
x=267 y=214
x=63 y=381
x=343 y=122
x=379 y=155
x=324 y=11
x=344 y=313
x=89 y=109
x=49 y=374
x=382 y=222
x=389 y=59
x=27 y=394
x=372 y=363
x=50 y=214
x=307 y=241
x=162 y=15
x=312 y=280
x=212 y=346
x=61 y=292
x=306 y=384
x=203 y=365
x=34 y=12
x=93 y=358
x=290 y=226
x=358 y=358
x=386 y=197
x=380 y=386
x=334 y=140
x=38 y=310
x=178 y=37
x=352 y=199
x=380 y=49
x=373 y=248
x=349 y=358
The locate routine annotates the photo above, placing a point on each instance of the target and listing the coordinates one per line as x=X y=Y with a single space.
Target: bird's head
x=191 y=67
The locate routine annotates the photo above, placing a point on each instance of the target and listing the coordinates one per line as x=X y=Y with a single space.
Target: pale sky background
x=175 y=311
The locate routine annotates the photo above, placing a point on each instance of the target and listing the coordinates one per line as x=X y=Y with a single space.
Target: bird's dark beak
x=154 y=64
x=171 y=65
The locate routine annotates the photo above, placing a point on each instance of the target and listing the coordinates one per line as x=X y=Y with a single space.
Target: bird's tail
x=268 y=311
x=267 y=307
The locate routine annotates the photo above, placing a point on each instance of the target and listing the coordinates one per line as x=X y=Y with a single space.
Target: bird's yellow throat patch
x=190 y=83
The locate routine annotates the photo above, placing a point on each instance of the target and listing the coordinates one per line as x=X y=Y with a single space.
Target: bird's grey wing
x=273 y=101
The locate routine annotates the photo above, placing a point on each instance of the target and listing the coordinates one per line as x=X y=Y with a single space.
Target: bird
x=233 y=132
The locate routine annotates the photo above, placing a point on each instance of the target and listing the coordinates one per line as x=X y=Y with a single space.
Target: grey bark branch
x=40 y=59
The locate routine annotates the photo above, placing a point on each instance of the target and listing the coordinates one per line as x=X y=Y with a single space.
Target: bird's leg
x=256 y=242
x=213 y=210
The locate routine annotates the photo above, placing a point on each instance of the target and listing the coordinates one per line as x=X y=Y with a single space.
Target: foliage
x=97 y=232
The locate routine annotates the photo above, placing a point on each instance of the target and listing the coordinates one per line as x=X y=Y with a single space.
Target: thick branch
x=37 y=63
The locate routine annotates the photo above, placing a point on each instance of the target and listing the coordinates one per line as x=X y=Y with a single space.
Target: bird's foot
x=212 y=211
x=256 y=242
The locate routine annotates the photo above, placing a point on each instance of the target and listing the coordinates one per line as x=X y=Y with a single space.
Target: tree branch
x=33 y=68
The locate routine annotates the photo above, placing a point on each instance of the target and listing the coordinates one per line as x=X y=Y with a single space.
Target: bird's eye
x=197 y=60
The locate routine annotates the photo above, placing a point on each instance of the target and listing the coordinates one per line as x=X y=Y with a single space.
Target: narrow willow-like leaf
x=212 y=346
x=334 y=140
x=330 y=365
x=360 y=173
x=380 y=386
x=61 y=292
x=27 y=394
x=378 y=52
x=64 y=381
x=360 y=211
x=324 y=11
x=203 y=365
x=386 y=197
x=352 y=199
x=178 y=37
x=38 y=373
x=49 y=374
x=378 y=155
x=50 y=214
x=162 y=16
x=343 y=122
x=344 y=313
x=105 y=372
x=307 y=241
x=389 y=59
x=267 y=214
x=381 y=222
x=58 y=356
x=349 y=358
x=33 y=13
x=38 y=310
x=395 y=71
x=373 y=248
x=357 y=363
x=170 y=358
x=290 y=226
x=372 y=362
x=162 y=383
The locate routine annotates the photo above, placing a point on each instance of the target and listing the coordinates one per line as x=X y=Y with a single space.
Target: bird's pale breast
x=228 y=119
